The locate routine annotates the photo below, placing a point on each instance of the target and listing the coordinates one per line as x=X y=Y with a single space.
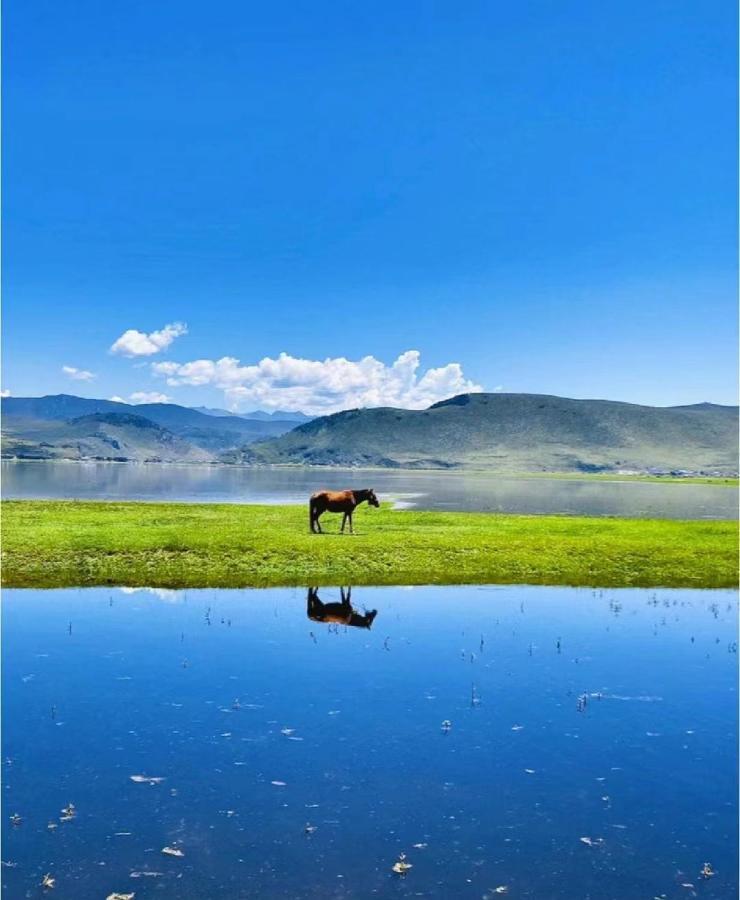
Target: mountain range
x=63 y=426
x=517 y=433
x=500 y=432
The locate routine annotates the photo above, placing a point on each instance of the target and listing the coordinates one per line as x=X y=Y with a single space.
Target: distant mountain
x=209 y=411
x=103 y=436
x=50 y=427
x=258 y=415
x=516 y=432
x=279 y=415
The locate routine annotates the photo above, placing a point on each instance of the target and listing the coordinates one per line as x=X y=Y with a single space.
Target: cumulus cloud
x=143 y=397
x=149 y=397
x=321 y=386
x=78 y=374
x=137 y=343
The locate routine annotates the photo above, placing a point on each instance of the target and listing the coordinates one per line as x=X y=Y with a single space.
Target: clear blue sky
x=543 y=193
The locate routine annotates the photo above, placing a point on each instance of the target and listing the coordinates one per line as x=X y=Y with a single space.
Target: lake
x=421 y=490
x=530 y=741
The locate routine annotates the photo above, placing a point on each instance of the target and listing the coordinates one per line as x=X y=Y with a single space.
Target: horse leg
x=318 y=524
x=351 y=527
x=344 y=519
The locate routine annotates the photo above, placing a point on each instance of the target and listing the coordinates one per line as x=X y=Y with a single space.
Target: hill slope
x=121 y=437
x=52 y=427
x=517 y=432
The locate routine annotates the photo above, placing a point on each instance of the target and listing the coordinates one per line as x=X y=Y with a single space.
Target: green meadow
x=66 y=543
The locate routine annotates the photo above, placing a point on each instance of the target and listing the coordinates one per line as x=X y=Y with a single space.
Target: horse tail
x=310 y=514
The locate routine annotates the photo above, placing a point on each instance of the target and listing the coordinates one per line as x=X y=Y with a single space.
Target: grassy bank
x=62 y=543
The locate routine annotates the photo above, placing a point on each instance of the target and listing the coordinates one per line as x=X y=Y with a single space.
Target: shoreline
x=610 y=477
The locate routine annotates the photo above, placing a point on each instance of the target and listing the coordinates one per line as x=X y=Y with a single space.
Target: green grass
x=64 y=543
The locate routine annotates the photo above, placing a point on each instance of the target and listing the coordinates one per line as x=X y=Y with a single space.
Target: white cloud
x=137 y=343
x=321 y=386
x=142 y=397
x=4 y=393
x=78 y=374
x=149 y=397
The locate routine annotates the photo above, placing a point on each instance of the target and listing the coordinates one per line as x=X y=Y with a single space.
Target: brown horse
x=338 y=613
x=339 y=502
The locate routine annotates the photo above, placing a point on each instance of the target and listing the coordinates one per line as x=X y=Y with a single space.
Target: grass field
x=63 y=543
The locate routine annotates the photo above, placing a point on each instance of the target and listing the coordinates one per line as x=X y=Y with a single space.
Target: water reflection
x=342 y=613
x=559 y=743
x=419 y=490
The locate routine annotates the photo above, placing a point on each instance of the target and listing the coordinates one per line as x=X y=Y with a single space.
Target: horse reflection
x=338 y=613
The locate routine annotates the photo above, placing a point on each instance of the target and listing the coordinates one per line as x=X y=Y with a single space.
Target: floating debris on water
x=446 y=726
x=501 y=889
x=15 y=819
x=146 y=779
x=309 y=829
x=146 y=874
x=279 y=783
x=592 y=842
x=172 y=851
x=52 y=825
x=530 y=771
x=401 y=867
x=517 y=727
x=47 y=882
x=117 y=896
x=707 y=871
x=68 y=813
x=420 y=846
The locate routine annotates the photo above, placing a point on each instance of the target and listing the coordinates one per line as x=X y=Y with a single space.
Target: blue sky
x=533 y=196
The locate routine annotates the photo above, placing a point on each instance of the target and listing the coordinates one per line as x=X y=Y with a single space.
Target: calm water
x=572 y=714
x=423 y=490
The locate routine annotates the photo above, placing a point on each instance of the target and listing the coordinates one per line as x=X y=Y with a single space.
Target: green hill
x=516 y=433
x=63 y=426
x=121 y=437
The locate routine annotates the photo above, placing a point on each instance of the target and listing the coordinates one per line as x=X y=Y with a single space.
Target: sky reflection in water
x=572 y=714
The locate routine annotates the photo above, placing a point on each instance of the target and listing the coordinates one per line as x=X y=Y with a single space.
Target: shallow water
x=572 y=714
x=421 y=490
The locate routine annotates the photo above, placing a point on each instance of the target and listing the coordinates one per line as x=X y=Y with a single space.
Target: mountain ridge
x=49 y=427
x=516 y=432
x=499 y=432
